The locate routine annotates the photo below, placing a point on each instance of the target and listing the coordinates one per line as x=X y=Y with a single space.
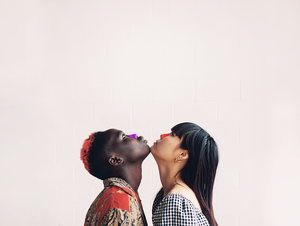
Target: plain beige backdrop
x=72 y=67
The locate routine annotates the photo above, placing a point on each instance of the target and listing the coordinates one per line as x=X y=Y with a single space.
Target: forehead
x=112 y=133
x=111 y=136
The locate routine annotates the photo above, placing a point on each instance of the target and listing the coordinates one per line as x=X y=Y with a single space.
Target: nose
x=163 y=136
x=133 y=135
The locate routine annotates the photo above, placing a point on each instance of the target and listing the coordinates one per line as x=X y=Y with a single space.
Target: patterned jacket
x=117 y=204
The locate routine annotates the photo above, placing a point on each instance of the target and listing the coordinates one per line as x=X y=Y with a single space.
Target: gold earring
x=176 y=160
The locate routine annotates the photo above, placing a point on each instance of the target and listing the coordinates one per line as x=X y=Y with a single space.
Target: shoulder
x=175 y=209
x=177 y=202
x=187 y=193
x=113 y=206
x=109 y=199
x=172 y=202
x=114 y=197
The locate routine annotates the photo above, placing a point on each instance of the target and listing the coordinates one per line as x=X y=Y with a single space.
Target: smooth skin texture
x=171 y=159
x=126 y=156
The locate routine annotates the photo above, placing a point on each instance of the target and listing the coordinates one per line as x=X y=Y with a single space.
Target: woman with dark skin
x=115 y=158
x=187 y=160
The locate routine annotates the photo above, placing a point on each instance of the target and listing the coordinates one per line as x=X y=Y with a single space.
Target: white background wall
x=72 y=67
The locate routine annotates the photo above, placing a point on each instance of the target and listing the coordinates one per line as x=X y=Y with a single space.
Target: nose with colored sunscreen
x=133 y=135
x=164 y=135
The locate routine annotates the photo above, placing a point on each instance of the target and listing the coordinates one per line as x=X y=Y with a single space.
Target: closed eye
x=122 y=135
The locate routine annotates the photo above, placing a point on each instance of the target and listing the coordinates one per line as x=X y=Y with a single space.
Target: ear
x=184 y=155
x=115 y=160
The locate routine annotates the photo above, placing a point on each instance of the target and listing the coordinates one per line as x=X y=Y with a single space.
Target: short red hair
x=86 y=152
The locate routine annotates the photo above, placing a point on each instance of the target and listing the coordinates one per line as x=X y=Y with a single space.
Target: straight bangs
x=184 y=128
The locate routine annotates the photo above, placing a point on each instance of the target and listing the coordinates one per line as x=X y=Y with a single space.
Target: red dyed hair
x=85 y=152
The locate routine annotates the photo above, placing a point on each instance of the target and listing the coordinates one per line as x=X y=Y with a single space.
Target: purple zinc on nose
x=133 y=135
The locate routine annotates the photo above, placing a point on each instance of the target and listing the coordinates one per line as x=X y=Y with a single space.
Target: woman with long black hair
x=187 y=160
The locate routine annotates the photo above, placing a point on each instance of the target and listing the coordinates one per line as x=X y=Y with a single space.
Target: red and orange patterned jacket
x=117 y=204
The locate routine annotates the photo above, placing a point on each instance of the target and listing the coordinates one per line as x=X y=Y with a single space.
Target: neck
x=169 y=175
x=132 y=175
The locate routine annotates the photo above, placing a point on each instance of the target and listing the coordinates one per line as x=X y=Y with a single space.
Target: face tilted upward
x=131 y=149
x=167 y=148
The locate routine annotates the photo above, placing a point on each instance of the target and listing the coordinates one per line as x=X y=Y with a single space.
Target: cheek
x=163 y=147
x=165 y=143
x=162 y=153
x=139 y=148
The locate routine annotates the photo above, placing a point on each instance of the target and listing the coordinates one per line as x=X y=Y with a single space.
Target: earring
x=176 y=160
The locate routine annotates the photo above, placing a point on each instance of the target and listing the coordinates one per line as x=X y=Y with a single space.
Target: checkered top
x=175 y=209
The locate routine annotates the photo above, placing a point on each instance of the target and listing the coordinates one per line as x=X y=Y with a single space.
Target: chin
x=151 y=148
x=152 y=153
x=148 y=152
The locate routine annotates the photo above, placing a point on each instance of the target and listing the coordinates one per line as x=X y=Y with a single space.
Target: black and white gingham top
x=175 y=209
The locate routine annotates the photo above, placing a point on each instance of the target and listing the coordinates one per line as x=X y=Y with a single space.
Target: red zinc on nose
x=163 y=136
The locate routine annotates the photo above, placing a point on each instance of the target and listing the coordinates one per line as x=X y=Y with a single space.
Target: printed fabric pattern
x=175 y=209
x=117 y=204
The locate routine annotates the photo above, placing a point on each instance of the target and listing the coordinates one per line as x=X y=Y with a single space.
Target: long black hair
x=200 y=170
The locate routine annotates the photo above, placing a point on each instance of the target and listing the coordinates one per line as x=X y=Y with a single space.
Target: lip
x=141 y=139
